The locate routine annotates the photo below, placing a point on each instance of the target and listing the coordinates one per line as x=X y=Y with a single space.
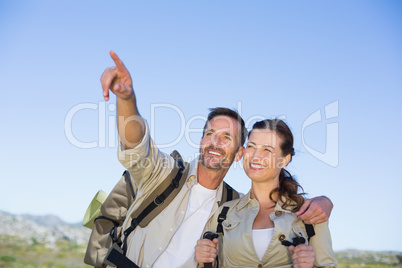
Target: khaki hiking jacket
x=237 y=248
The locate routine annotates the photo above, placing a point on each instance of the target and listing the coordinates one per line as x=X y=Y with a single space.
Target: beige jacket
x=237 y=248
x=149 y=166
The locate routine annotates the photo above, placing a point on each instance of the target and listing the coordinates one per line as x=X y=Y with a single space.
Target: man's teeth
x=214 y=153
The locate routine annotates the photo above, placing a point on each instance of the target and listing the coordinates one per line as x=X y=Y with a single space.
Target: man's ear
x=200 y=147
x=239 y=154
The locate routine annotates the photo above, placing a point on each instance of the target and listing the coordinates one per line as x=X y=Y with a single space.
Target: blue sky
x=331 y=69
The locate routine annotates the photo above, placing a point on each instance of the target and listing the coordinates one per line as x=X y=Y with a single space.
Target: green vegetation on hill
x=368 y=259
x=29 y=253
x=18 y=253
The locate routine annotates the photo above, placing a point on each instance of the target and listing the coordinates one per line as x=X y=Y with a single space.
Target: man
x=169 y=239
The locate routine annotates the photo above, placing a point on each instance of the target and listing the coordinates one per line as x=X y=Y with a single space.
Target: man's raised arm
x=130 y=125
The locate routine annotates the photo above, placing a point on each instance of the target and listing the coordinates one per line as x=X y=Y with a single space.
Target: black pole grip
x=210 y=236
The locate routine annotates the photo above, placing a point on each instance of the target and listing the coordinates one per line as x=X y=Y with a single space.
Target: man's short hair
x=222 y=111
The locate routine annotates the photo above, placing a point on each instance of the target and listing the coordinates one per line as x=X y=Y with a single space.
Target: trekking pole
x=210 y=236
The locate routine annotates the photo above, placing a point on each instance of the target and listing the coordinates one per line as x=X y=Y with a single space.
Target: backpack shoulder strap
x=221 y=218
x=228 y=193
x=161 y=196
x=310 y=230
x=127 y=178
x=164 y=193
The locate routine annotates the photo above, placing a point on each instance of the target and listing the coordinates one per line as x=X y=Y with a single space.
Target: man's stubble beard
x=225 y=163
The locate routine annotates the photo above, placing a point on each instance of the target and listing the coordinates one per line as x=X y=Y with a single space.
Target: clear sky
x=331 y=69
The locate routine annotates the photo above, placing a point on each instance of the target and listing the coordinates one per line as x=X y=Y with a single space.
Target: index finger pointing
x=119 y=64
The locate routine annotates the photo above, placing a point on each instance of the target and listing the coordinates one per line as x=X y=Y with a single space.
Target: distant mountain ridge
x=49 y=220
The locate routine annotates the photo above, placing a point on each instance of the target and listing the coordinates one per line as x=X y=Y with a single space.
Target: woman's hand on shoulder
x=206 y=251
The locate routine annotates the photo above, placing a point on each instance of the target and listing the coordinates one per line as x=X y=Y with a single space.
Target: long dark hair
x=288 y=189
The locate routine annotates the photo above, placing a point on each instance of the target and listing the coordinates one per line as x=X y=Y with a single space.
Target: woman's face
x=263 y=158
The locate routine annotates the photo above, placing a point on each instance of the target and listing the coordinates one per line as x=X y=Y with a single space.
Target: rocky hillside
x=44 y=229
x=41 y=242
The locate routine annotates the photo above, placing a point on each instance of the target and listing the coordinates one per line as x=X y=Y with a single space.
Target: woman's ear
x=239 y=154
x=286 y=160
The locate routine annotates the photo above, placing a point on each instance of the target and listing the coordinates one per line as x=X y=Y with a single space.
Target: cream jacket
x=236 y=243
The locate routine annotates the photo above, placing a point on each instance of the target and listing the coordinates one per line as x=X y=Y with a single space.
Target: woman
x=260 y=227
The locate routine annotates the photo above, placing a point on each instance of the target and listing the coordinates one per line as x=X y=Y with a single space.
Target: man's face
x=220 y=143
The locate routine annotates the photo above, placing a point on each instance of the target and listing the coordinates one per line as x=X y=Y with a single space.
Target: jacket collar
x=247 y=199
